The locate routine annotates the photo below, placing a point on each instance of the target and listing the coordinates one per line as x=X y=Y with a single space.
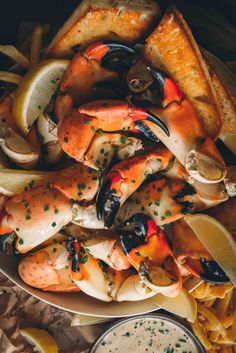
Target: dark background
x=212 y=21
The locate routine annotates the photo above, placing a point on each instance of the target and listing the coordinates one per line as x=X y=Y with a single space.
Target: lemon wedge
x=15 y=181
x=217 y=240
x=35 y=91
x=42 y=341
x=183 y=305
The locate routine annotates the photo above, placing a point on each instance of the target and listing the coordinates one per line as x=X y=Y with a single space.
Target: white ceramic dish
x=79 y=303
x=145 y=328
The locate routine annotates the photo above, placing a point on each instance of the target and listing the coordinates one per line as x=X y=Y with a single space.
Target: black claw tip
x=119 y=57
x=107 y=204
x=157 y=121
x=187 y=207
x=75 y=264
x=135 y=229
x=159 y=76
x=213 y=272
x=187 y=189
x=144 y=129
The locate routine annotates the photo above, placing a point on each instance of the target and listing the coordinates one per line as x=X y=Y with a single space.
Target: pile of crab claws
x=123 y=61
x=107 y=204
x=169 y=90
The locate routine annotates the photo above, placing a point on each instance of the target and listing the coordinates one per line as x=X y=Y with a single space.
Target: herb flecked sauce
x=147 y=335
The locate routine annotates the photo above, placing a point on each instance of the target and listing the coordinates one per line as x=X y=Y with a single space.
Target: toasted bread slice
x=122 y=20
x=172 y=47
x=226 y=91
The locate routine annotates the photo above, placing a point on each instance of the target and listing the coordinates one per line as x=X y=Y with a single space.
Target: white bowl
x=79 y=303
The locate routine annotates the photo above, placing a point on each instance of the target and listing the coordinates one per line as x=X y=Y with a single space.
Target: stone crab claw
x=100 y=281
x=187 y=139
x=148 y=251
x=48 y=269
x=108 y=250
x=105 y=145
x=164 y=200
x=40 y=212
x=101 y=61
x=191 y=254
x=78 y=128
x=125 y=178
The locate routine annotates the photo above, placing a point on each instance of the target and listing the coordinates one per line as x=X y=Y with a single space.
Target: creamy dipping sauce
x=146 y=335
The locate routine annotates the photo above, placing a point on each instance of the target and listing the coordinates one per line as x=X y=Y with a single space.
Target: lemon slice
x=183 y=305
x=42 y=341
x=35 y=91
x=217 y=240
x=14 y=181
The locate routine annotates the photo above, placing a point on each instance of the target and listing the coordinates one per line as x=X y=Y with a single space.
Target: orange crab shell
x=78 y=182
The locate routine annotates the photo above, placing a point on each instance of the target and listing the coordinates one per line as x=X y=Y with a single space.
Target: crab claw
x=108 y=202
x=125 y=177
x=169 y=90
x=48 y=269
x=113 y=56
x=148 y=251
x=190 y=253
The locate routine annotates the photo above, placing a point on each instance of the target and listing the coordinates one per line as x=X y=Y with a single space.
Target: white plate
x=79 y=303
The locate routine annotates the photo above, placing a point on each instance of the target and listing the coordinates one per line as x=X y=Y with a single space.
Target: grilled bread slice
x=172 y=47
x=224 y=83
x=225 y=86
x=122 y=20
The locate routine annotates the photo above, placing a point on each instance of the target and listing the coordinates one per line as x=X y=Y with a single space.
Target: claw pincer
x=187 y=139
x=148 y=251
x=125 y=178
x=101 y=61
x=190 y=253
x=78 y=128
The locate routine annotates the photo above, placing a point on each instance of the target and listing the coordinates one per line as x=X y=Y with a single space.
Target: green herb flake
x=137 y=253
x=54 y=224
x=21 y=241
x=84 y=259
x=168 y=214
x=46 y=208
x=54 y=249
x=56 y=211
x=27 y=217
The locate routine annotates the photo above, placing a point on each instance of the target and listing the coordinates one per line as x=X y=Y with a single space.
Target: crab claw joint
x=148 y=251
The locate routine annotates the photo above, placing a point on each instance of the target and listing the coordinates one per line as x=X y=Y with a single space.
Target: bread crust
x=121 y=20
x=172 y=47
x=226 y=98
